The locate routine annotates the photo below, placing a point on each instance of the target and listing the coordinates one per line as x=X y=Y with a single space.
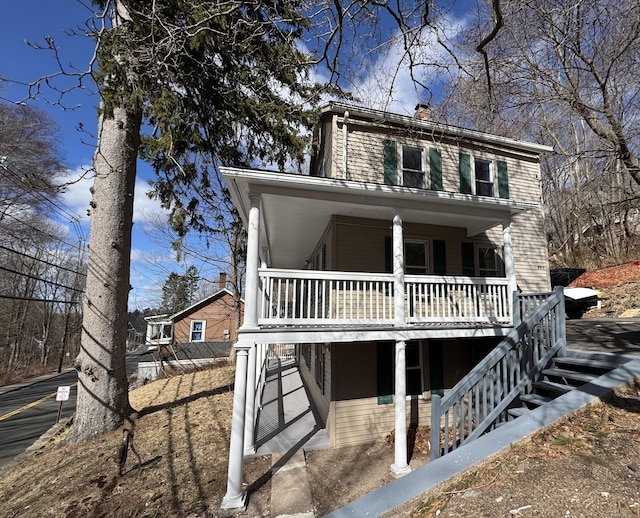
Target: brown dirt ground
x=620 y=287
x=587 y=465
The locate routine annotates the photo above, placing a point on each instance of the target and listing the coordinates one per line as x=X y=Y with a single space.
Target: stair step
x=535 y=399
x=569 y=375
x=518 y=411
x=585 y=362
x=552 y=386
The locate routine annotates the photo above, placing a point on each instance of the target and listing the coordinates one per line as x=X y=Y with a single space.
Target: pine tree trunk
x=103 y=399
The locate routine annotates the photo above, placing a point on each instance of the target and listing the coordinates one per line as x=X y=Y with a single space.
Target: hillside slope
x=620 y=287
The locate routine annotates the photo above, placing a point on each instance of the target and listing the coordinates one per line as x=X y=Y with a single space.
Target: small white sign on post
x=63 y=393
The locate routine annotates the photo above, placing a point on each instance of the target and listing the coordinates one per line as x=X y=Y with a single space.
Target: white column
x=253 y=260
x=235 y=496
x=400 y=466
x=509 y=262
x=250 y=405
x=398 y=268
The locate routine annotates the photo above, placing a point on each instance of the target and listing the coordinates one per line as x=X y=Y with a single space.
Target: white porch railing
x=307 y=297
x=437 y=298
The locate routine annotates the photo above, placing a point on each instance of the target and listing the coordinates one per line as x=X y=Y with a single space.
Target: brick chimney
x=422 y=112
x=223 y=280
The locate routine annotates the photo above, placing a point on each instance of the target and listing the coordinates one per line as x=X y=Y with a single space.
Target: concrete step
x=290 y=489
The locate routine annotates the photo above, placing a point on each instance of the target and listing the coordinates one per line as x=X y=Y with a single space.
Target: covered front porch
x=286 y=301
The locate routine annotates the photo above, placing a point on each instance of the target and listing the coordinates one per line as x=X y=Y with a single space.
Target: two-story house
x=392 y=265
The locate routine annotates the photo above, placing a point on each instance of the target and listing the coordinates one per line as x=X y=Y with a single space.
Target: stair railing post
x=561 y=323
x=434 y=440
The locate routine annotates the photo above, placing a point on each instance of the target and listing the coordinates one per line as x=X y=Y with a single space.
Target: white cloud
x=387 y=83
x=77 y=196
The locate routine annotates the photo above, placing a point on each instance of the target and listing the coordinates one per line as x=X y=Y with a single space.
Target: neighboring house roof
x=166 y=317
x=201 y=303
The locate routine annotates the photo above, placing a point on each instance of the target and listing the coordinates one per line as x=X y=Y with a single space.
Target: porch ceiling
x=296 y=209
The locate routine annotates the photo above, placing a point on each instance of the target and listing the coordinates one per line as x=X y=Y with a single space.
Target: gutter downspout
x=345 y=121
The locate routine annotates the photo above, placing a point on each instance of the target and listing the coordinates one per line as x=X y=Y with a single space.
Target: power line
x=31 y=299
x=59 y=207
x=43 y=232
x=23 y=254
x=40 y=279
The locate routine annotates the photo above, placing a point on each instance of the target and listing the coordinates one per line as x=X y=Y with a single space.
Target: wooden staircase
x=564 y=373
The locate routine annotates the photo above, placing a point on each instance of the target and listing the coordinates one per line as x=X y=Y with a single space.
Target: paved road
x=29 y=410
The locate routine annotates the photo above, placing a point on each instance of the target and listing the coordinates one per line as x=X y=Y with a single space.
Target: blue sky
x=151 y=260
x=33 y=20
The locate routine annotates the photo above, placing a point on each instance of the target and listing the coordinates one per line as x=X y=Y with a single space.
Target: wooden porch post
x=250 y=404
x=509 y=263
x=252 y=284
x=400 y=466
x=235 y=496
x=398 y=268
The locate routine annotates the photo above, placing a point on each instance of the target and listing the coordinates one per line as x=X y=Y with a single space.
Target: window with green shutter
x=465 y=173
x=503 y=179
x=435 y=163
x=384 y=371
x=390 y=163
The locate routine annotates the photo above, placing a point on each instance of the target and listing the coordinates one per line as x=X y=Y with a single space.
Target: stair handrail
x=481 y=399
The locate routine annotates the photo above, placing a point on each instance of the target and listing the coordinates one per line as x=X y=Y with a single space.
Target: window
x=481 y=178
x=487 y=261
x=412 y=170
x=414 y=369
x=197 y=330
x=416 y=257
x=413 y=164
x=484 y=177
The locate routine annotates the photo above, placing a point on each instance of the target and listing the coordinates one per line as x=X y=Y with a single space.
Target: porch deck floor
x=288 y=420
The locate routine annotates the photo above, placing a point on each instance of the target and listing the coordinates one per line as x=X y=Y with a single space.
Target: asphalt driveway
x=619 y=336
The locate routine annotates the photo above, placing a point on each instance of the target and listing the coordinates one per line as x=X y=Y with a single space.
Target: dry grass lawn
x=182 y=439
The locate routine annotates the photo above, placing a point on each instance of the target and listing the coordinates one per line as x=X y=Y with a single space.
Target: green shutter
x=384 y=370
x=465 y=173
x=390 y=163
x=436 y=367
x=468 y=262
x=388 y=254
x=439 y=257
x=435 y=162
x=503 y=180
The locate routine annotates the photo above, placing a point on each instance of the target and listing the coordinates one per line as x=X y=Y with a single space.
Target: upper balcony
x=305 y=298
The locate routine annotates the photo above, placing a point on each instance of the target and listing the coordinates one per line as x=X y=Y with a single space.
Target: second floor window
x=484 y=177
x=412 y=169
